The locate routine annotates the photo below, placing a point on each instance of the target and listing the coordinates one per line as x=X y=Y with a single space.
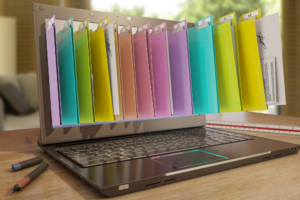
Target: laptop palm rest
x=188 y=159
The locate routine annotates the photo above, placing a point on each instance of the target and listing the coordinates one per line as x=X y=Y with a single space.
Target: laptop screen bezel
x=50 y=135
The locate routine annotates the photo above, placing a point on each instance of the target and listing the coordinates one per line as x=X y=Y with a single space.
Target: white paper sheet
x=112 y=65
x=269 y=44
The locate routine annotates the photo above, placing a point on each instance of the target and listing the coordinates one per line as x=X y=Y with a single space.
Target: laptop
x=121 y=157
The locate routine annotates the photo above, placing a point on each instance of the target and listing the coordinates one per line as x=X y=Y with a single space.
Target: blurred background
x=17 y=49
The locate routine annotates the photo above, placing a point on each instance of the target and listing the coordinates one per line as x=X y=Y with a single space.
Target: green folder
x=84 y=73
x=227 y=71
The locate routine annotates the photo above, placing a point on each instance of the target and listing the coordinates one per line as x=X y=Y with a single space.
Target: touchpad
x=189 y=158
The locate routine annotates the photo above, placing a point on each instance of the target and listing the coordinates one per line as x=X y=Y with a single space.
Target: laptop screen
x=86 y=131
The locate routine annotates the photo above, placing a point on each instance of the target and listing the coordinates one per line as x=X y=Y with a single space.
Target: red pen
x=32 y=175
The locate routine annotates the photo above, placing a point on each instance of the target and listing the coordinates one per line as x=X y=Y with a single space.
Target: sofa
x=27 y=85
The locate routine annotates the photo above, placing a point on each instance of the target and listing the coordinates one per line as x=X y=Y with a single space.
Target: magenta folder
x=180 y=69
x=161 y=71
x=142 y=72
x=53 y=72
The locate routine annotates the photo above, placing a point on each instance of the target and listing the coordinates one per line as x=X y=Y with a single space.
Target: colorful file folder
x=101 y=81
x=270 y=52
x=142 y=72
x=119 y=75
x=67 y=74
x=227 y=72
x=128 y=73
x=253 y=94
x=53 y=72
x=84 y=73
x=161 y=71
x=232 y=19
x=203 y=67
x=111 y=59
x=180 y=69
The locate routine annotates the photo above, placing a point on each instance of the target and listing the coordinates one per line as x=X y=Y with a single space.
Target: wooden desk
x=274 y=179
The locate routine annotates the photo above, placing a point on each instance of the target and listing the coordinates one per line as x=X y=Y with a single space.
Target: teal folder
x=203 y=67
x=67 y=74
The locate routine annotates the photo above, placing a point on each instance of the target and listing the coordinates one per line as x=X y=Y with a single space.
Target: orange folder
x=128 y=73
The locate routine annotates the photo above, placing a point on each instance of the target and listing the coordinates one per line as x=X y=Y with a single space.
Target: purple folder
x=180 y=69
x=53 y=72
x=161 y=72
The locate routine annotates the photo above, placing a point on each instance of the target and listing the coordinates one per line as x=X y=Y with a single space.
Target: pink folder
x=143 y=82
x=161 y=71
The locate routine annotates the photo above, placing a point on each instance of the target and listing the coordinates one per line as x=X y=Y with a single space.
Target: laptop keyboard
x=148 y=145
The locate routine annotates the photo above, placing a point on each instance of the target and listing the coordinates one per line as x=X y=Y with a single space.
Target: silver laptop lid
x=50 y=135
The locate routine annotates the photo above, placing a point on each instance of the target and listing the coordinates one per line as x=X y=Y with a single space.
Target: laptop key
x=149 y=151
x=117 y=146
x=162 y=148
x=110 y=160
x=139 y=147
x=114 y=154
x=91 y=163
x=204 y=145
x=242 y=139
x=116 y=150
x=129 y=148
x=123 y=158
x=68 y=153
x=182 y=145
x=138 y=151
x=159 y=152
x=139 y=155
x=172 y=147
x=233 y=139
x=213 y=143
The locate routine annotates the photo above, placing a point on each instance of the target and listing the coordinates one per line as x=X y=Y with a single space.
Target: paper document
x=269 y=77
x=269 y=45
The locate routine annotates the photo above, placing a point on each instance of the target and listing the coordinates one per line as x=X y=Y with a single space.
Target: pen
x=26 y=163
x=32 y=175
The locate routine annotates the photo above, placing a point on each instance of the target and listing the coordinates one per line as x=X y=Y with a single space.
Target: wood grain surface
x=274 y=179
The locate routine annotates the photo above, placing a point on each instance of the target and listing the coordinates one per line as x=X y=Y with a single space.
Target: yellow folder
x=253 y=95
x=227 y=73
x=232 y=19
x=116 y=34
x=101 y=82
x=84 y=73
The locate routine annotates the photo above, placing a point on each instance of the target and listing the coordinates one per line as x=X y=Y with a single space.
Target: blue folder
x=203 y=67
x=67 y=74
